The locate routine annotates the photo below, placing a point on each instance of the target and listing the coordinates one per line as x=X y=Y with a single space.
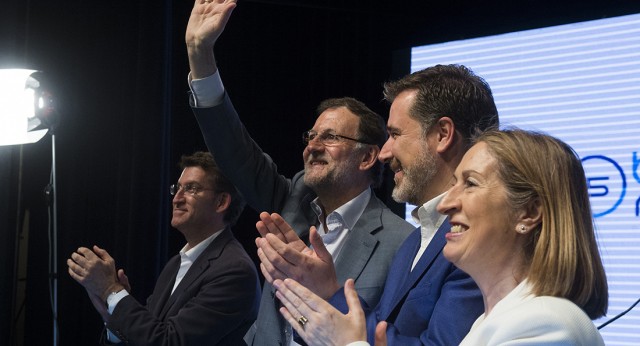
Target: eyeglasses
x=191 y=188
x=327 y=138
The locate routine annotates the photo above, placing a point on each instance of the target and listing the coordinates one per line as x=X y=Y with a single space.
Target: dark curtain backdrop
x=119 y=69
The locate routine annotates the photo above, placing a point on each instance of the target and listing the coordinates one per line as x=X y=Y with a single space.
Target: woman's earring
x=522 y=229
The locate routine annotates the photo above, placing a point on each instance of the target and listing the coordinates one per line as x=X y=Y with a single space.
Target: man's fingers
x=266 y=249
x=266 y=266
x=104 y=257
x=101 y=253
x=279 y=253
x=262 y=228
x=353 y=301
x=268 y=224
x=318 y=246
x=74 y=276
x=124 y=280
x=74 y=268
x=78 y=259
x=76 y=272
x=284 y=228
x=86 y=253
x=266 y=274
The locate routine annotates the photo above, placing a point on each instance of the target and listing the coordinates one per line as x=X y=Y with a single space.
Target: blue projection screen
x=581 y=83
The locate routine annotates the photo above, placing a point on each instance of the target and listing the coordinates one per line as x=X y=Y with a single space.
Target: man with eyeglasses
x=334 y=192
x=207 y=295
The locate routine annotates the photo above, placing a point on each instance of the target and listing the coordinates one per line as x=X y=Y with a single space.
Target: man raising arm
x=333 y=193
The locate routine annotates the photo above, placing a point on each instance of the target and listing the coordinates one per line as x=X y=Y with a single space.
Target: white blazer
x=521 y=318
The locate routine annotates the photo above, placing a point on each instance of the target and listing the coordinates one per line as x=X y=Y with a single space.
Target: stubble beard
x=331 y=180
x=416 y=179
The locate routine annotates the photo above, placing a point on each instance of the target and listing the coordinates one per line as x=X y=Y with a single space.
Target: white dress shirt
x=187 y=257
x=339 y=222
x=430 y=220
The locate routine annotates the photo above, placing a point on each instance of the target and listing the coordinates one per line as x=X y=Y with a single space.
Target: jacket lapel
x=424 y=263
x=165 y=282
x=198 y=267
x=351 y=263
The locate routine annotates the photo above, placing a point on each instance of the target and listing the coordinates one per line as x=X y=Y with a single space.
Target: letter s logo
x=607 y=183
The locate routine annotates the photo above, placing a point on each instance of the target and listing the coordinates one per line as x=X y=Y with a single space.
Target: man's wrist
x=202 y=62
x=113 y=289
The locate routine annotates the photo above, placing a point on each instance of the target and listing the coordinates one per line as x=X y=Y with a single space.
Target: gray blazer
x=371 y=243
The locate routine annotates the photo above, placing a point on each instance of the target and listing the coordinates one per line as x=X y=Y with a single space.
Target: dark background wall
x=119 y=69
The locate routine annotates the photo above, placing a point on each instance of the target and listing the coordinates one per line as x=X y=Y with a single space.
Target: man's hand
x=276 y=225
x=207 y=21
x=100 y=305
x=312 y=268
x=95 y=271
x=124 y=280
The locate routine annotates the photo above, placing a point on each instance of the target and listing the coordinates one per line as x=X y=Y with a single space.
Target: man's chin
x=400 y=195
x=176 y=223
x=313 y=179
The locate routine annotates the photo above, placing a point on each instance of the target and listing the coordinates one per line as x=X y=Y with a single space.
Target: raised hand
x=312 y=267
x=95 y=271
x=207 y=21
x=276 y=225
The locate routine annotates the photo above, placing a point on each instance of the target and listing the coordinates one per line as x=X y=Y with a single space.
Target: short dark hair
x=452 y=91
x=371 y=128
x=221 y=184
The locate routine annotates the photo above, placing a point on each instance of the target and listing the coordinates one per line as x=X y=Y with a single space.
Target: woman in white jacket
x=523 y=230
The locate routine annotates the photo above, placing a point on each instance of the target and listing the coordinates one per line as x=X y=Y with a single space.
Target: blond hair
x=562 y=254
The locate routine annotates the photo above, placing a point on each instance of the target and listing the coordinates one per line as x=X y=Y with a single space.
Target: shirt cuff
x=114 y=298
x=206 y=92
x=112 y=338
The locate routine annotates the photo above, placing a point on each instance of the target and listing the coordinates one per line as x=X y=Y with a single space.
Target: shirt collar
x=193 y=253
x=349 y=212
x=427 y=216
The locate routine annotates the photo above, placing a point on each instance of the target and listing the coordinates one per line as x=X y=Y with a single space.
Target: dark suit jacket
x=435 y=304
x=369 y=247
x=214 y=304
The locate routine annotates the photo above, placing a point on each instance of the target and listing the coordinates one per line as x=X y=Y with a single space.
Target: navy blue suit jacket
x=433 y=304
x=214 y=304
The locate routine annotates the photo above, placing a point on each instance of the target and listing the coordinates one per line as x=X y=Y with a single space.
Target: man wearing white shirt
x=206 y=295
x=333 y=193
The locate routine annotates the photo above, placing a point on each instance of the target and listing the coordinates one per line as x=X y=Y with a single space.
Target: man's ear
x=530 y=217
x=446 y=130
x=223 y=201
x=370 y=157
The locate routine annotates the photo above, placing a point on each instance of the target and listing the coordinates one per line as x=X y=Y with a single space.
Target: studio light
x=27 y=110
x=27 y=113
